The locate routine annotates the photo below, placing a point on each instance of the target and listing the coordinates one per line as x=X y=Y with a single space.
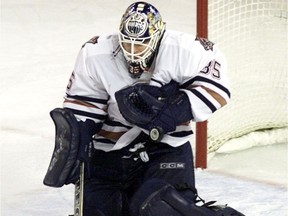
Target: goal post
x=201 y=127
x=253 y=36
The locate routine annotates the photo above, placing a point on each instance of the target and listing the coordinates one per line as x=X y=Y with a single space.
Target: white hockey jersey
x=101 y=70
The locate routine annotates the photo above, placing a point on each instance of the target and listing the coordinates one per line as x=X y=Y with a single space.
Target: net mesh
x=253 y=36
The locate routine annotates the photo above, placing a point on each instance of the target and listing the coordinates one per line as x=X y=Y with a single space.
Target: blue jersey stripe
x=181 y=133
x=88 y=114
x=203 y=79
x=83 y=98
x=204 y=99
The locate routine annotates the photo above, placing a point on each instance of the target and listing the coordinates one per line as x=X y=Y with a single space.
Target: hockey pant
x=117 y=175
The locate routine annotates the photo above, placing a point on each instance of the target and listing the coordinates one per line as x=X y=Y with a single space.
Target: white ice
x=39 y=43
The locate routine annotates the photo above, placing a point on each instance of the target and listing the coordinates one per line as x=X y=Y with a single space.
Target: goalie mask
x=140 y=32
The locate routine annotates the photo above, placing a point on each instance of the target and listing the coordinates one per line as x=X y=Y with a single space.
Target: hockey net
x=253 y=36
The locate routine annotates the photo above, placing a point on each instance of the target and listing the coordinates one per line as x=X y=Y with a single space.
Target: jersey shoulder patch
x=208 y=45
x=93 y=40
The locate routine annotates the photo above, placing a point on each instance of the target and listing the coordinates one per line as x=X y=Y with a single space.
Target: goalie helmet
x=140 y=32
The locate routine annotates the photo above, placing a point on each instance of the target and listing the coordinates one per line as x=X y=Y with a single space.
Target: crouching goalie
x=123 y=135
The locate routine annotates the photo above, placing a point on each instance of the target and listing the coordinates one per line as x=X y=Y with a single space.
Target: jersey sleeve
x=208 y=89
x=85 y=95
x=201 y=70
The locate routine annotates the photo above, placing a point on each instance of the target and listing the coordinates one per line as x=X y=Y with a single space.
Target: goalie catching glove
x=158 y=110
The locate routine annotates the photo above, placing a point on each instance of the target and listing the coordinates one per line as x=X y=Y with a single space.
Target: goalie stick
x=79 y=193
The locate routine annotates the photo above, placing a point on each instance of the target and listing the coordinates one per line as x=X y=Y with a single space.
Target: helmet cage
x=150 y=43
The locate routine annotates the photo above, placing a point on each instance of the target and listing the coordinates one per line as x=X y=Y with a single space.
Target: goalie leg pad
x=164 y=199
x=66 y=147
x=156 y=197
